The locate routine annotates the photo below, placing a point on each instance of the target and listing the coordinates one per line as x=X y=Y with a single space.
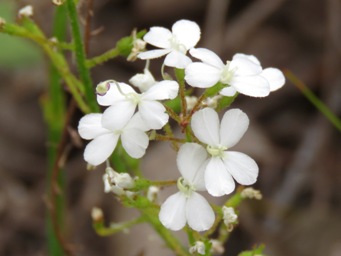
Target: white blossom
x=242 y=74
x=123 y=101
x=188 y=206
x=105 y=136
x=224 y=165
x=143 y=81
x=185 y=35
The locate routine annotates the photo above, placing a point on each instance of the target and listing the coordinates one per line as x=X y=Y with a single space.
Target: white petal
x=162 y=90
x=207 y=56
x=135 y=142
x=249 y=57
x=173 y=212
x=100 y=149
x=90 y=126
x=275 y=78
x=255 y=86
x=199 y=213
x=233 y=126
x=177 y=59
x=218 y=180
x=153 y=114
x=187 y=32
x=191 y=161
x=136 y=122
x=243 y=66
x=113 y=95
x=152 y=54
x=159 y=37
x=117 y=115
x=143 y=81
x=242 y=167
x=228 y=91
x=202 y=75
x=205 y=125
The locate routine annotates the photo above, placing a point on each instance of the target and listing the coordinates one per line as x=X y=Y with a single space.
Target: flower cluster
x=204 y=159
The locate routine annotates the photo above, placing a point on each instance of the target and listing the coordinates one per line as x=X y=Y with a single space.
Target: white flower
x=143 y=81
x=224 y=164
x=104 y=137
x=198 y=247
x=243 y=74
x=123 y=101
x=185 y=35
x=188 y=206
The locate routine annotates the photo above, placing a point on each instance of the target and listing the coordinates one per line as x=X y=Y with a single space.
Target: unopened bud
x=102 y=88
x=153 y=192
x=138 y=46
x=213 y=101
x=191 y=101
x=229 y=217
x=26 y=11
x=217 y=247
x=251 y=193
x=58 y=2
x=198 y=247
x=124 y=180
x=143 y=81
x=97 y=214
x=2 y=22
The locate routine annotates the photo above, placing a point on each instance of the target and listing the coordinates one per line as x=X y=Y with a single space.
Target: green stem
x=113 y=53
x=114 y=228
x=80 y=57
x=323 y=108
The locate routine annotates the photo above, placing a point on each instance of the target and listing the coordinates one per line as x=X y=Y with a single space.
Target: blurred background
x=297 y=149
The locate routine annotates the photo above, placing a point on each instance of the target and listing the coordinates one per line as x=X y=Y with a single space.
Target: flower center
x=185 y=187
x=227 y=74
x=133 y=97
x=216 y=151
x=176 y=45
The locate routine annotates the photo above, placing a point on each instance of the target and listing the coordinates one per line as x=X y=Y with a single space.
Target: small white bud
x=2 y=22
x=152 y=193
x=229 y=217
x=58 y=2
x=96 y=214
x=138 y=46
x=217 y=247
x=251 y=193
x=212 y=102
x=124 y=180
x=102 y=88
x=198 y=247
x=190 y=102
x=26 y=11
x=143 y=81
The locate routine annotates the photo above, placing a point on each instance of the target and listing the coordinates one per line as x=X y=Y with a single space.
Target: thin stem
x=323 y=108
x=80 y=56
x=167 y=138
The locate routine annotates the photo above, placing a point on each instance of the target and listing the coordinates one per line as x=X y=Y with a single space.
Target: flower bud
x=58 y=2
x=102 y=88
x=97 y=214
x=26 y=11
x=190 y=102
x=153 y=192
x=143 y=81
x=198 y=247
x=2 y=22
x=251 y=193
x=229 y=217
x=217 y=247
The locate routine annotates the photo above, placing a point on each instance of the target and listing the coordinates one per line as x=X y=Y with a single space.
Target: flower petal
x=173 y=212
x=152 y=54
x=100 y=148
x=191 y=161
x=233 y=126
x=255 y=86
x=202 y=75
x=159 y=37
x=153 y=114
x=242 y=167
x=205 y=125
x=136 y=122
x=218 y=180
x=117 y=115
x=177 y=59
x=275 y=78
x=249 y=57
x=135 y=142
x=186 y=32
x=199 y=213
x=228 y=91
x=207 y=56
x=143 y=81
x=243 y=66
x=90 y=126
x=162 y=91
x=113 y=94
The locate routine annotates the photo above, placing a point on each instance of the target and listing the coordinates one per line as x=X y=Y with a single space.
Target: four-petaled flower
x=123 y=100
x=188 y=206
x=243 y=74
x=104 y=138
x=224 y=164
x=185 y=35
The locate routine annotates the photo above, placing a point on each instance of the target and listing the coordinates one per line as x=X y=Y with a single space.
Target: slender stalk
x=323 y=108
x=80 y=56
